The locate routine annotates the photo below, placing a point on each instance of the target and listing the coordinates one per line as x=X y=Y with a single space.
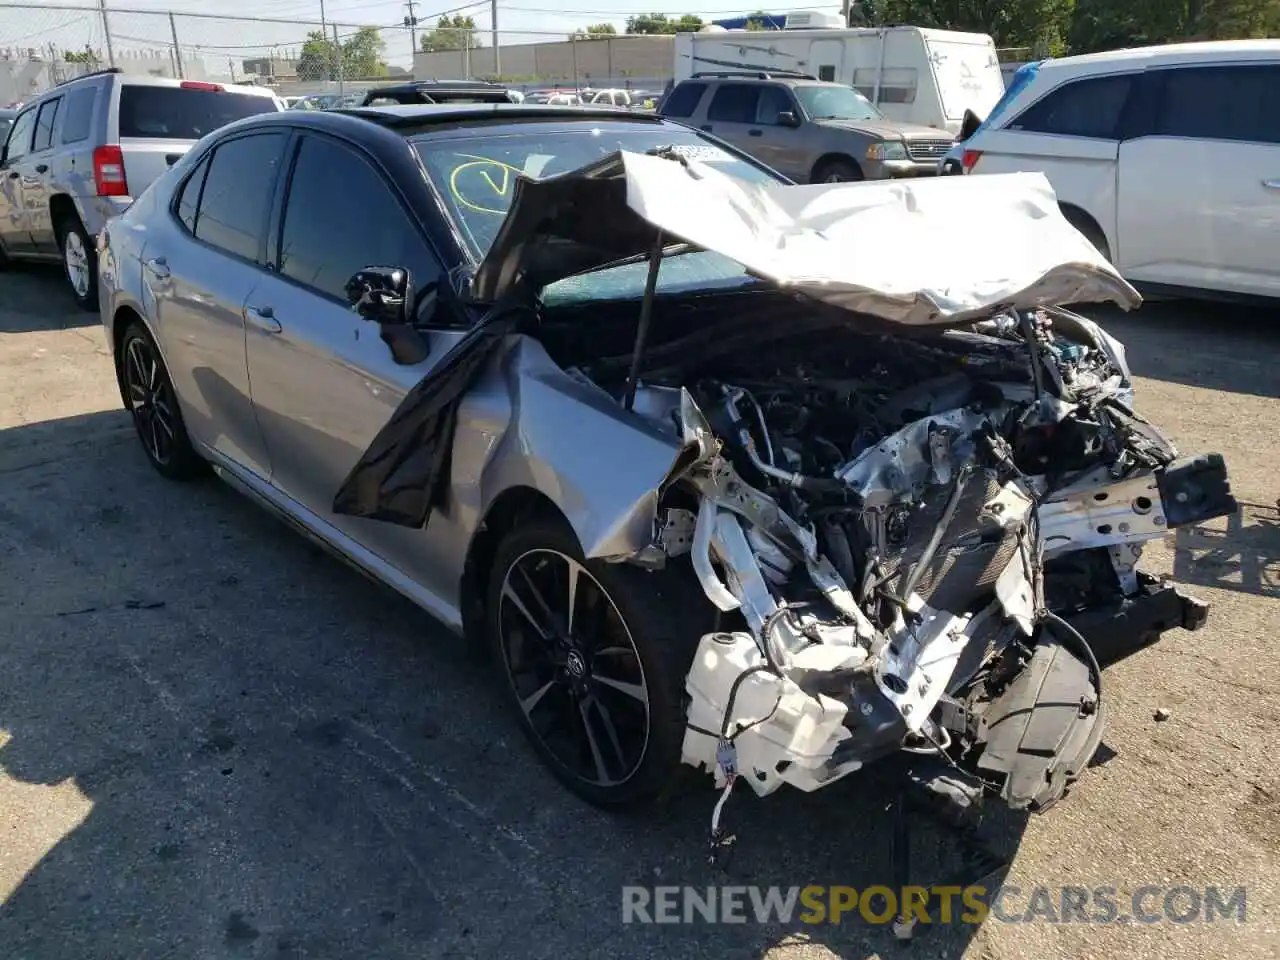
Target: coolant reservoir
x=787 y=735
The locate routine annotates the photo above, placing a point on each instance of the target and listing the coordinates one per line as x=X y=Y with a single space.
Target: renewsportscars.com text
x=816 y=904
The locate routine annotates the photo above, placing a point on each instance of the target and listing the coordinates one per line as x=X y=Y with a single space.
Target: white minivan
x=1167 y=157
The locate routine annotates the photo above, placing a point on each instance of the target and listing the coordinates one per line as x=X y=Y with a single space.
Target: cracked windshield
x=478 y=177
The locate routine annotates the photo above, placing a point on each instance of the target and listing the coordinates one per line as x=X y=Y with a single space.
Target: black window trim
x=1135 y=73
x=53 y=141
x=275 y=235
x=210 y=152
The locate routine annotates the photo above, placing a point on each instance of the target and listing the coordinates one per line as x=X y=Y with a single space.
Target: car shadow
x=1219 y=346
x=217 y=741
x=36 y=296
x=1240 y=552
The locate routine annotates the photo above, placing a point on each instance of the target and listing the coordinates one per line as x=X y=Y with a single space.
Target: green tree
x=757 y=20
x=1041 y=24
x=1110 y=24
x=317 y=60
x=660 y=23
x=362 y=54
x=80 y=56
x=595 y=30
x=454 y=32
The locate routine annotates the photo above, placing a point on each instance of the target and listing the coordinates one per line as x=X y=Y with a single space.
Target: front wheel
x=593 y=657
x=80 y=261
x=838 y=171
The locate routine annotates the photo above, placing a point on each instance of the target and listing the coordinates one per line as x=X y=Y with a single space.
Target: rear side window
x=684 y=100
x=44 y=124
x=77 y=114
x=734 y=103
x=1221 y=103
x=340 y=216
x=1085 y=108
x=236 y=199
x=183 y=113
x=189 y=199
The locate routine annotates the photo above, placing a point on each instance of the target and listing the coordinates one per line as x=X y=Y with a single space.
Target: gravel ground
x=217 y=742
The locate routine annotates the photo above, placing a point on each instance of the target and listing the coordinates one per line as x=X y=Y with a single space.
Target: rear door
x=200 y=273
x=37 y=177
x=157 y=123
x=1199 y=192
x=14 y=226
x=324 y=382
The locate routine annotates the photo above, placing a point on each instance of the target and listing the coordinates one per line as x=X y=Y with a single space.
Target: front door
x=781 y=147
x=15 y=232
x=324 y=383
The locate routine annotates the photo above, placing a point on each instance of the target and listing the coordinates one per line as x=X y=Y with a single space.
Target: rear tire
x=153 y=404
x=79 y=261
x=600 y=695
x=838 y=171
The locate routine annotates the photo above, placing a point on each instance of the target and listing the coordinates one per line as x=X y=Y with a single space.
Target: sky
x=38 y=24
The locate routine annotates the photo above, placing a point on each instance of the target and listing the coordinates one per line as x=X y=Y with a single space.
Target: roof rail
x=755 y=74
x=92 y=73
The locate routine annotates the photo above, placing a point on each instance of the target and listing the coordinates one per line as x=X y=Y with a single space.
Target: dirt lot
x=217 y=742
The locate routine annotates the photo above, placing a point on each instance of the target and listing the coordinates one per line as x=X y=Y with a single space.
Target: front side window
x=836 y=103
x=236 y=199
x=773 y=101
x=44 y=124
x=734 y=103
x=340 y=216
x=1085 y=108
x=19 y=143
x=684 y=100
x=1220 y=103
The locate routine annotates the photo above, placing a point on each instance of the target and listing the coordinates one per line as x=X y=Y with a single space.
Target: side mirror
x=385 y=295
x=787 y=118
x=381 y=294
x=969 y=125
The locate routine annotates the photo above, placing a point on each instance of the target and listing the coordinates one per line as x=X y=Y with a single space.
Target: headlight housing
x=887 y=150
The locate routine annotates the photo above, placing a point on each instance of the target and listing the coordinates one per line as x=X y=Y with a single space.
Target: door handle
x=705 y=126
x=755 y=133
x=42 y=168
x=158 y=267
x=1271 y=184
x=263 y=318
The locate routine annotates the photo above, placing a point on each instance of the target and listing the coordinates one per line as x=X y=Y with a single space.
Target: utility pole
x=497 y=55
x=337 y=57
x=177 y=50
x=411 y=21
x=106 y=33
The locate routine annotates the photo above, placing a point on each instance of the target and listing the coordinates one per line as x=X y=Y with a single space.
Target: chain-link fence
x=41 y=46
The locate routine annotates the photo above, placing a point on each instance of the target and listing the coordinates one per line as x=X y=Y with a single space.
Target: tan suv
x=807 y=129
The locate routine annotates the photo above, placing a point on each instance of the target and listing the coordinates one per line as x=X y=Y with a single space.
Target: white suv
x=1168 y=158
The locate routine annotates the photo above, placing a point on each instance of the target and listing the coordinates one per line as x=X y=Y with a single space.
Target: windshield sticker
x=484 y=185
x=702 y=153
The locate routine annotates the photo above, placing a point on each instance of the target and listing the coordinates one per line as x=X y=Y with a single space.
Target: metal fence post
x=177 y=50
x=106 y=33
x=338 y=58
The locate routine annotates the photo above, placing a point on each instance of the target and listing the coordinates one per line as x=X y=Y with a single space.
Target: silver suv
x=78 y=154
x=808 y=130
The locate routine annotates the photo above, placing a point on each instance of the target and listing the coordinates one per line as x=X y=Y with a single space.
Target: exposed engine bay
x=897 y=531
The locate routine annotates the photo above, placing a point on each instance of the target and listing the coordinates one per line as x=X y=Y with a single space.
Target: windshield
x=836 y=103
x=476 y=176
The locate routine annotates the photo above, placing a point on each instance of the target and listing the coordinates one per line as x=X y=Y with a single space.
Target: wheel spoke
x=539 y=600
x=602 y=773
x=531 y=701
x=606 y=720
x=509 y=593
x=634 y=690
x=153 y=375
x=574 y=570
x=163 y=416
x=135 y=390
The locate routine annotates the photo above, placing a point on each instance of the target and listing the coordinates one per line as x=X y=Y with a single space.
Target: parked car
x=806 y=129
x=611 y=98
x=751 y=503
x=437 y=91
x=78 y=154
x=1167 y=158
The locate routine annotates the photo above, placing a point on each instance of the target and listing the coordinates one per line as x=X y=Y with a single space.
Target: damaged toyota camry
x=770 y=480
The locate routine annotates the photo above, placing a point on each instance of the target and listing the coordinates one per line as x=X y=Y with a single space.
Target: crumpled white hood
x=920 y=251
